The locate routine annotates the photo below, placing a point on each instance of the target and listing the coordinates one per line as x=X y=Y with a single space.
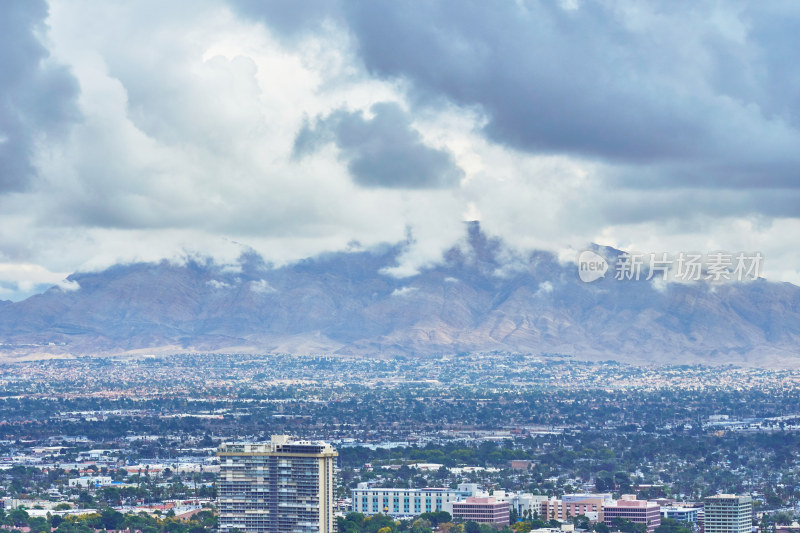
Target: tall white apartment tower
x=282 y=486
x=728 y=513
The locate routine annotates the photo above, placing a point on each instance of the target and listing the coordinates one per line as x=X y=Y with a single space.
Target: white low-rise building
x=403 y=502
x=93 y=481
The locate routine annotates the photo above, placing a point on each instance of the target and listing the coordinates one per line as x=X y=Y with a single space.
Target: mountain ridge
x=482 y=297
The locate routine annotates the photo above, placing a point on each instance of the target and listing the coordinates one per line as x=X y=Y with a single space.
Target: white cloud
x=27 y=274
x=18 y=280
x=545 y=287
x=262 y=287
x=404 y=291
x=68 y=285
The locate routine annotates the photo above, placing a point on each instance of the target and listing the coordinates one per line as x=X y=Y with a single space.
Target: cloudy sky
x=145 y=130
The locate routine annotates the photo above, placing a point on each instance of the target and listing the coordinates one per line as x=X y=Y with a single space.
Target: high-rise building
x=728 y=513
x=282 y=486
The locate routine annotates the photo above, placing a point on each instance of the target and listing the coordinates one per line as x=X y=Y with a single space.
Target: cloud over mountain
x=484 y=296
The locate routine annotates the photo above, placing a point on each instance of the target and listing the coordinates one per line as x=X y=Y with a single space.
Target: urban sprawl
x=462 y=443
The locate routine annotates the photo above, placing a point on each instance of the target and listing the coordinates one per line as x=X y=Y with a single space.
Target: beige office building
x=728 y=513
x=282 y=486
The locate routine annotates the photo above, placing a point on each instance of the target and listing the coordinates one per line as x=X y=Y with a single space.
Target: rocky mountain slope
x=480 y=299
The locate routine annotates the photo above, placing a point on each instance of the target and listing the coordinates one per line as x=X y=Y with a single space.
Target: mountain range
x=482 y=297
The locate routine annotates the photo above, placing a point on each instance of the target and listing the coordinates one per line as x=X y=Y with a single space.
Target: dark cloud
x=384 y=151
x=550 y=79
x=690 y=204
x=690 y=93
x=289 y=18
x=37 y=98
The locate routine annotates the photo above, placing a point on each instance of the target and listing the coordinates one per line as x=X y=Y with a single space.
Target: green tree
x=111 y=519
x=18 y=517
x=85 y=500
x=627 y=526
x=600 y=527
x=670 y=525
x=73 y=526
x=375 y=522
x=604 y=482
x=436 y=517
x=39 y=524
x=581 y=521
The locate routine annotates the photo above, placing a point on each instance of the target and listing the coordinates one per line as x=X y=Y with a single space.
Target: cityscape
x=399 y=266
x=526 y=442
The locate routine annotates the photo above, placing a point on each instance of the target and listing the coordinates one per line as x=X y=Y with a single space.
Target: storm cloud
x=696 y=94
x=382 y=151
x=37 y=97
x=138 y=131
